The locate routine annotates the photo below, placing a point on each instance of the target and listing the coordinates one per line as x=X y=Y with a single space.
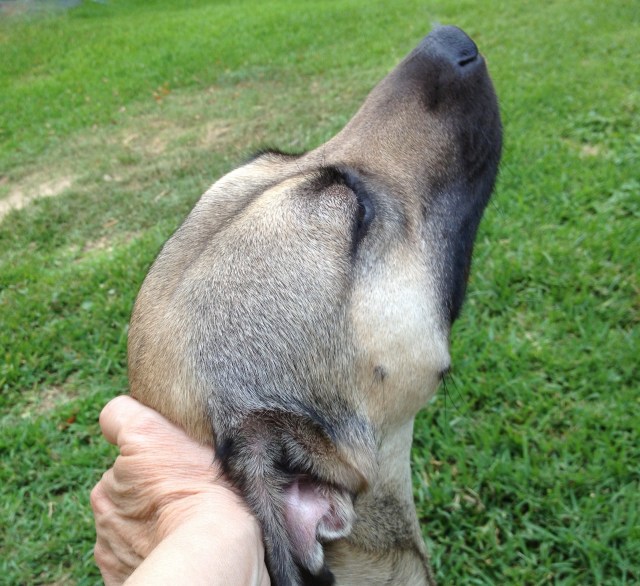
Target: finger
x=99 y=497
x=124 y=414
x=117 y=414
x=113 y=571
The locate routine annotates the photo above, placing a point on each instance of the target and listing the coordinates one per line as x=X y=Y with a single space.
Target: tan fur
x=260 y=304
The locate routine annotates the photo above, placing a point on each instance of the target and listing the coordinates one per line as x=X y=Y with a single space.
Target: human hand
x=164 y=514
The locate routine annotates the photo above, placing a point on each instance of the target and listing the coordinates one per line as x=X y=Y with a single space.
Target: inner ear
x=316 y=513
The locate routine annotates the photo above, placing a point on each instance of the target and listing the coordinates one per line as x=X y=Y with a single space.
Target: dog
x=300 y=316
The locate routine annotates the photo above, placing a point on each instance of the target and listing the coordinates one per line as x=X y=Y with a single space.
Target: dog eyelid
x=366 y=209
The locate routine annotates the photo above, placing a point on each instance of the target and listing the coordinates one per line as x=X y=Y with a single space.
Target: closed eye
x=366 y=209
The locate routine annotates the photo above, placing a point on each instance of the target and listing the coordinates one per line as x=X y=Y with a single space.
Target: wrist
x=205 y=545
x=212 y=508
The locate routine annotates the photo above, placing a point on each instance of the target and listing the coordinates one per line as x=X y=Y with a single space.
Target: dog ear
x=314 y=514
x=298 y=484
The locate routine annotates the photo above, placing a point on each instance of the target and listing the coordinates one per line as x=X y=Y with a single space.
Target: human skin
x=164 y=513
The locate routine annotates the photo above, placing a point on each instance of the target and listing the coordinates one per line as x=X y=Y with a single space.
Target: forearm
x=201 y=554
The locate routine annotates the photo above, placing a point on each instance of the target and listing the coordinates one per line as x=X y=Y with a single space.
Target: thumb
x=120 y=414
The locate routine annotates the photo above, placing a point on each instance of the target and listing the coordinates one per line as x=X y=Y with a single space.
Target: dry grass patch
x=157 y=135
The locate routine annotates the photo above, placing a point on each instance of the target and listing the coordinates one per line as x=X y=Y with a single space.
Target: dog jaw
x=402 y=346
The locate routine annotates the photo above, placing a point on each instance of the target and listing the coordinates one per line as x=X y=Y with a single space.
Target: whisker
x=448 y=381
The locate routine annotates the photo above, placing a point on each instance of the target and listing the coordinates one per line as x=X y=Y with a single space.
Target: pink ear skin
x=315 y=513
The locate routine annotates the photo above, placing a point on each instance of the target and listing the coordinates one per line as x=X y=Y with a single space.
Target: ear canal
x=338 y=521
x=315 y=513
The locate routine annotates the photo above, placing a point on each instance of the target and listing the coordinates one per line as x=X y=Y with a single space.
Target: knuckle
x=100 y=502
x=136 y=433
x=103 y=556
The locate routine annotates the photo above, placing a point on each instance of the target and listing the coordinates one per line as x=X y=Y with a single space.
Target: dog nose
x=452 y=44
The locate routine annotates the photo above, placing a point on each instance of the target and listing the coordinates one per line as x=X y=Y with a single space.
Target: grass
x=527 y=466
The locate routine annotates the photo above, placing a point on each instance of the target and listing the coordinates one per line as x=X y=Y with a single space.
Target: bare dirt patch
x=107 y=242
x=587 y=150
x=24 y=193
x=42 y=401
x=150 y=136
x=213 y=133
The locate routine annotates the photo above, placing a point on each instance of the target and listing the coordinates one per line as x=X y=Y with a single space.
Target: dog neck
x=386 y=545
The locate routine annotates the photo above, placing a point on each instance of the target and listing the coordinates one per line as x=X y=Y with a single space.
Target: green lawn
x=527 y=466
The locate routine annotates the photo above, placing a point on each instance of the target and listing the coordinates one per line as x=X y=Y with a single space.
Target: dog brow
x=273 y=152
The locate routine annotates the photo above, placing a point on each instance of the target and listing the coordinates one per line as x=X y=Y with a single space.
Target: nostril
x=454 y=44
x=464 y=59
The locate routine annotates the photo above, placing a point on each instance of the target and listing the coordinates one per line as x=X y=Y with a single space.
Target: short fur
x=300 y=316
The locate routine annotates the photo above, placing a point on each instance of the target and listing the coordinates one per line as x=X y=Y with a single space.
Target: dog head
x=310 y=297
